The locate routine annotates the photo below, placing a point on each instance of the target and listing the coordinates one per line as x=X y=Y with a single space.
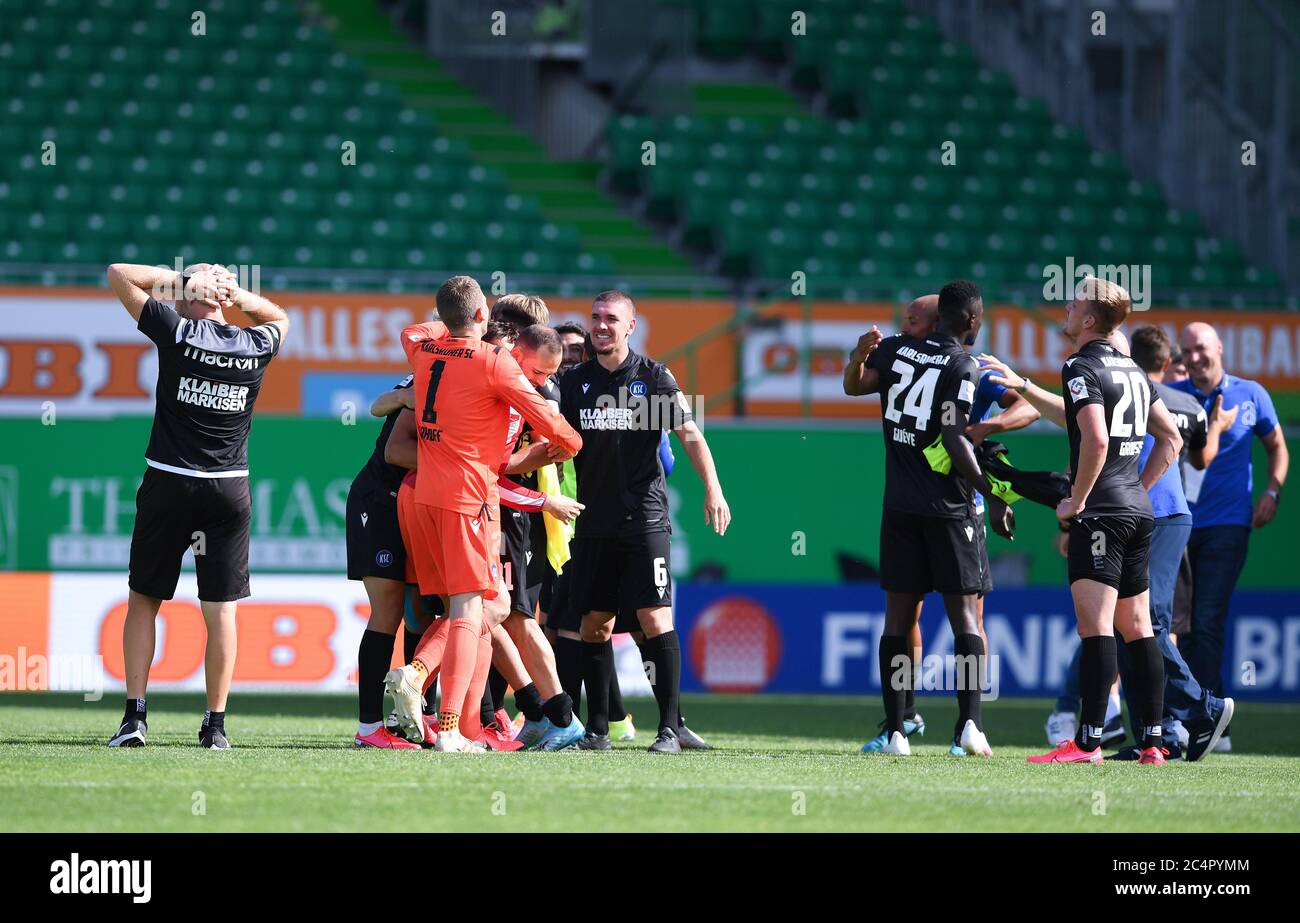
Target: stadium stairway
x=233 y=144
x=862 y=199
x=567 y=191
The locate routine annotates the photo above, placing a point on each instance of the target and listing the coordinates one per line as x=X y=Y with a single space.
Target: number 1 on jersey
x=431 y=395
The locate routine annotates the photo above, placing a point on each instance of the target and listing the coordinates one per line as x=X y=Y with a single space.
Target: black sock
x=568 y=667
x=1097 y=669
x=486 y=713
x=559 y=708
x=529 y=701
x=617 y=710
x=374 y=655
x=1148 y=688
x=214 y=719
x=895 y=679
x=909 y=704
x=496 y=685
x=969 y=674
x=410 y=641
x=597 y=664
x=665 y=653
x=135 y=708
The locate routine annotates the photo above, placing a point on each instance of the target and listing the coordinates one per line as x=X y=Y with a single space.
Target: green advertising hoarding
x=801 y=498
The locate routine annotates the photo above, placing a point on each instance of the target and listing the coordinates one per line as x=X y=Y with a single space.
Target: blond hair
x=521 y=310
x=1108 y=301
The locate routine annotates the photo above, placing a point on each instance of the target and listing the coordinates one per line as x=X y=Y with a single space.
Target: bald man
x=1220 y=496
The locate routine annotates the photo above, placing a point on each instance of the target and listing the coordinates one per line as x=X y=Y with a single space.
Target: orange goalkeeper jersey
x=464 y=389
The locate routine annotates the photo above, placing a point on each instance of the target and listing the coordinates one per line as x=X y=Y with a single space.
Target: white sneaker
x=897 y=745
x=973 y=740
x=1181 y=734
x=455 y=742
x=405 y=685
x=1061 y=725
x=1223 y=745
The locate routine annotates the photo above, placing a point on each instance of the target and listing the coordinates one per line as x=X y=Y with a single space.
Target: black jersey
x=1189 y=416
x=209 y=375
x=386 y=475
x=620 y=415
x=1099 y=374
x=921 y=382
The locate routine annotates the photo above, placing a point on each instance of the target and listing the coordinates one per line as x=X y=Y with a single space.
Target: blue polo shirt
x=1221 y=494
x=1168 y=498
x=986 y=395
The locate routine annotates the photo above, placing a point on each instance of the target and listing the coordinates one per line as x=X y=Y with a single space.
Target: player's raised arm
x=403 y=448
x=508 y=380
x=1017 y=413
x=860 y=379
x=135 y=284
x=261 y=311
x=1051 y=406
x=392 y=401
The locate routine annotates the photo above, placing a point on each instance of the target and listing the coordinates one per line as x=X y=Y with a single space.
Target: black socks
x=214 y=719
x=617 y=710
x=373 y=657
x=597 y=665
x=664 y=653
x=559 y=708
x=1148 y=688
x=969 y=678
x=135 y=708
x=496 y=685
x=529 y=701
x=569 y=667
x=896 y=675
x=1097 y=669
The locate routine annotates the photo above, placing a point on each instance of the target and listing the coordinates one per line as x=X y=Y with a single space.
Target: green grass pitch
x=782 y=763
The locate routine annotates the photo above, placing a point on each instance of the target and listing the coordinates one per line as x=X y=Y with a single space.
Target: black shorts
x=987 y=586
x=562 y=616
x=516 y=549
x=174 y=512
x=930 y=554
x=374 y=539
x=620 y=574
x=1114 y=550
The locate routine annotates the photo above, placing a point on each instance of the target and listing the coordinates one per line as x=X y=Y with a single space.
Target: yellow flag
x=557 y=534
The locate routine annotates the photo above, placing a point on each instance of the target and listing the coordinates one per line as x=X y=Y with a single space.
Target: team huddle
x=508 y=494
x=513 y=514
x=940 y=472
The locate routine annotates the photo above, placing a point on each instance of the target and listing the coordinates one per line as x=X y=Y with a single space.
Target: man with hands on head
x=195 y=488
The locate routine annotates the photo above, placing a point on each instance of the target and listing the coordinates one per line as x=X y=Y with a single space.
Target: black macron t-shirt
x=209 y=376
x=620 y=416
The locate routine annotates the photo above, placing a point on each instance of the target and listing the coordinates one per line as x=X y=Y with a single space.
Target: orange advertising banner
x=1261 y=345
x=79 y=348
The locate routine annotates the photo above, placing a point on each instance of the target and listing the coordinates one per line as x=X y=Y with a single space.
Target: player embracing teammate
x=1110 y=407
x=464 y=392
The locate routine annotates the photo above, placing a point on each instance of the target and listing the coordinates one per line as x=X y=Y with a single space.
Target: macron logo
x=103 y=876
x=585 y=387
